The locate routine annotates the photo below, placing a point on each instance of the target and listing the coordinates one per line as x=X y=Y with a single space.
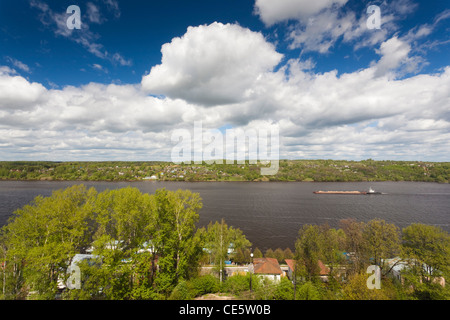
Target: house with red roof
x=267 y=268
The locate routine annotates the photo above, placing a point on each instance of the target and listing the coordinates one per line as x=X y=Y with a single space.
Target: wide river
x=270 y=214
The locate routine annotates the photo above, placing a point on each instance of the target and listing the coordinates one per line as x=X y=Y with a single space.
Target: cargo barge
x=371 y=191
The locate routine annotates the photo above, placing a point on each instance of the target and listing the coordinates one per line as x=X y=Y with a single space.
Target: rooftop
x=266 y=266
x=324 y=270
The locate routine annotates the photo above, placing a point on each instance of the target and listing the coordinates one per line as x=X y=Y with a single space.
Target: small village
x=289 y=170
x=266 y=269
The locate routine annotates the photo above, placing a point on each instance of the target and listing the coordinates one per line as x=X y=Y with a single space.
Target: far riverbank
x=289 y=171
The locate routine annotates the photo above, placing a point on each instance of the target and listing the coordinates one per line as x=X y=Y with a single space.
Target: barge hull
x=341 y=192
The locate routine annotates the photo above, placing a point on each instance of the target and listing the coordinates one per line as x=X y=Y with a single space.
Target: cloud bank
x=226 y=75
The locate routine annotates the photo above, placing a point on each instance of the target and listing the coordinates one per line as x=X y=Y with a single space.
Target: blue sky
x=137 y=70
x=138 y=29
x=137 y=34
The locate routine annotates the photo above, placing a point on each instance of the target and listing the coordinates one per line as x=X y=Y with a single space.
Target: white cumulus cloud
x=225 y=76
x=272 y=12
x=212 y=65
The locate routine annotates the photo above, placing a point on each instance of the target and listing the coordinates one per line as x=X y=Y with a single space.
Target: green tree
x=332 y=244
x=288 y=254
x=175 y=240
x=223 y=242
x=284 y=290
x=382 y=240
x=354 y=244
x=129 y=232
x=264 y=289
x=41 y=238
x=238 y=284
x=427 y=251
x=279 y=255
x=125 y=224
x=308 y=291
x=269 y=253
x=242 y=256
x=182 y=291
x=125 y=217
x=356 y=289
x=308 y=252
x=204 y=285
x=257 y=253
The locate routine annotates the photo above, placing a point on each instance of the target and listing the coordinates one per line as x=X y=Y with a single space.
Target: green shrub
x=204 y=284
x=237 y=284
x=284 y=290
x=181 y=291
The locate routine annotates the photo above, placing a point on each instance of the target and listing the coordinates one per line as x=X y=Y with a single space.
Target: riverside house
x=267 y=268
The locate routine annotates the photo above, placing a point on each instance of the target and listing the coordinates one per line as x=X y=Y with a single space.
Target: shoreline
x=197 y=181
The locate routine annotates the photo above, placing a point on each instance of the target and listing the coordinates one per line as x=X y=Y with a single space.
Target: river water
x=270 y=214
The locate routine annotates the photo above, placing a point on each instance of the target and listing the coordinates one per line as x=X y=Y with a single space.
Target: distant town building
x=324 y=271
x=291 y=267
x=397 y=266
x=152 y=178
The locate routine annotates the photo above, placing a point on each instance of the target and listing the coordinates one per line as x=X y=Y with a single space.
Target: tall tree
x=332 y=245
x=129 y=232
x=354 y=244
x=175 y=238
x=42 y=237
x=125 y=225
x=382 y=240
x=427 y=249
x=279 y=255
x=308 y=252
x=257 y=253
x=288 y=254
x=223 y=242
x=356 y=289
x=269 y=253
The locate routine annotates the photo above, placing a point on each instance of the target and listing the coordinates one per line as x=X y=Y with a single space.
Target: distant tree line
x=289 y=170
x=149 y=247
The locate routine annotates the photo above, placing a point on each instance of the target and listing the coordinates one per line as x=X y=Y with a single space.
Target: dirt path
x=212 y=296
